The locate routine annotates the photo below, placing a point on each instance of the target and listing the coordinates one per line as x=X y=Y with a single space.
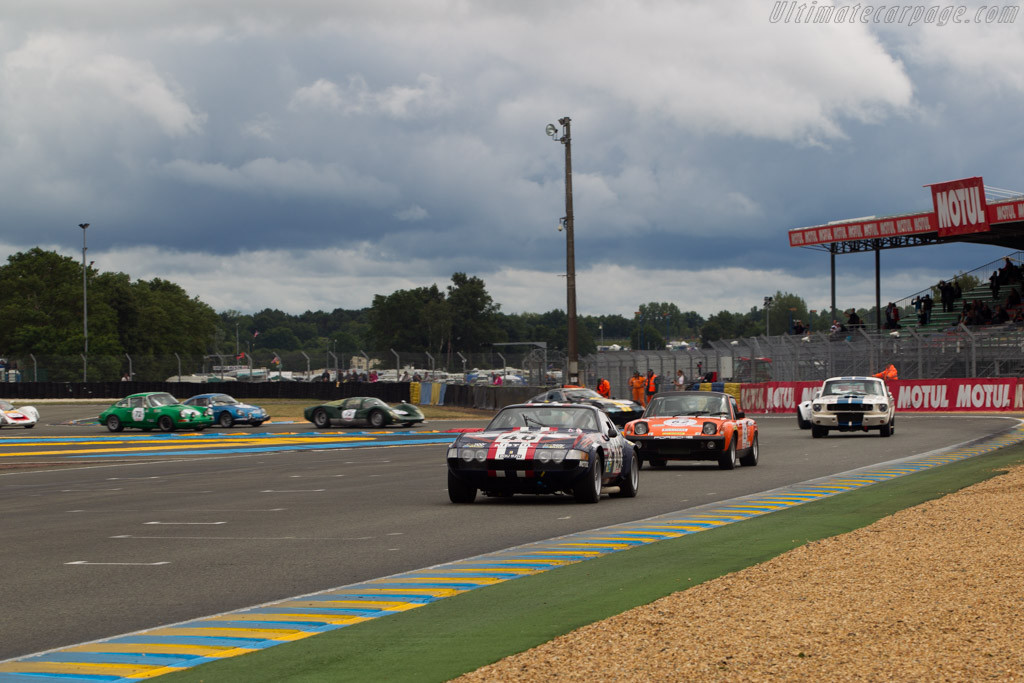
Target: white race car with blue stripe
x=853 y=404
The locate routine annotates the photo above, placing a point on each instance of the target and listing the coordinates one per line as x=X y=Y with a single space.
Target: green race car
x=362 y=410
x=155 y=410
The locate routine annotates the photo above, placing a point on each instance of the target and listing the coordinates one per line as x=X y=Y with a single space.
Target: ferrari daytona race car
x=695 y=425
x=544 y=448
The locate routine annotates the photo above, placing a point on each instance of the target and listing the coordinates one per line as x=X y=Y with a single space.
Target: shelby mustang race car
x=695 y=425
x=853 y=404
x=620 y=411
x=544 y=448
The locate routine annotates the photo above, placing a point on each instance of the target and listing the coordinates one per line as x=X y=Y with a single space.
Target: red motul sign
x=960 y=206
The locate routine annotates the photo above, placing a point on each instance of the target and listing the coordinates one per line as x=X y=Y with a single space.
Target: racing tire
x=408 y=424
x=588 y=490
x=801 y=422
x=114 y=424
x=29 y=426
x=819 y=432
x=225 y=420
x=459 y=491
x=886 y=429
x=630 y=481
x=751 y=458
x=165 y=423
x=199 y=428
x=657 y=462
x=376 y=419
x=320 y=419
x=728 y=459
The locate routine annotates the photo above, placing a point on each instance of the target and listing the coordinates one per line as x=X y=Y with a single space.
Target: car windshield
x=564 y=417
x=4 y=405
x=851 y=388
x=223 y=399
x=578 y=394
x=157 y=400
x=696 y=403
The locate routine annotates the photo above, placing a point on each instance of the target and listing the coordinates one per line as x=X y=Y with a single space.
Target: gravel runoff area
x=932 y=593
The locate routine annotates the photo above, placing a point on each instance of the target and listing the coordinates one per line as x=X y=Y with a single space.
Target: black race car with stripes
x=544 y=448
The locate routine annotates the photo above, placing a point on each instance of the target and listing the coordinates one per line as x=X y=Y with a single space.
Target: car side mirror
x=612 y=433
x=740 y=414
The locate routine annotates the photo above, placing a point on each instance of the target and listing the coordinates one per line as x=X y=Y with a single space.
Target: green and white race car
x=155 y=410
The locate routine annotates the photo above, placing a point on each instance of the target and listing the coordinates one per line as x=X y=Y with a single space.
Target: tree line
x=42 y=313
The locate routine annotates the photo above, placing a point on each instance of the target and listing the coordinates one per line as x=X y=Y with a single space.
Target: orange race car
x=694 y=425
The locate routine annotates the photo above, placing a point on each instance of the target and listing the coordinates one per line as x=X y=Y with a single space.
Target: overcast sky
x=309 y=154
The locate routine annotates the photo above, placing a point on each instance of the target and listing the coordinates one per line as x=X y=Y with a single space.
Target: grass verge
x=459 y=634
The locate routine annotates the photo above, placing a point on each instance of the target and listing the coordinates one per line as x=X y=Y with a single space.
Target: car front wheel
x=114 y=424
x=459 y=491
x=728 y=460
x=376 y=419
x=320 y=418
x=225 y=419
x=819 y=432
x=887 y=429
x=165 y=423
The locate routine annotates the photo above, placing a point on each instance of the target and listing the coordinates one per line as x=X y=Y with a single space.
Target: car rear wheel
x=165 y=423
x=320 y=418
x=656 y=462
x=459 y=491
x=376 y=419
x=630 y=480
x=728 y=459
x=225 y=419
x=750 y=459
x=114 y=424
x=588 y=490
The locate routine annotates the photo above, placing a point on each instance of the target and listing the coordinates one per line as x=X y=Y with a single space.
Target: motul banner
x=960 y=206
x=913 y=395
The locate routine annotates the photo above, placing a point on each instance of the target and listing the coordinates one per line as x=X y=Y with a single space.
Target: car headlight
x=468 y=454
x=555 y=455
x=640 y=428
x=816 y=407
x=709 y=428
x=883 y=408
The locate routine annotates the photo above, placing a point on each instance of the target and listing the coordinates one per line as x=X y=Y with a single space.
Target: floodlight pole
x=570 y=250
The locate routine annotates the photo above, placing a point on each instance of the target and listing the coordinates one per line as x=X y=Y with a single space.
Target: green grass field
x=459 y=634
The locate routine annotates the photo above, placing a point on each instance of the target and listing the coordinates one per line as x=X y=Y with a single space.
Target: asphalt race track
x=122 y=532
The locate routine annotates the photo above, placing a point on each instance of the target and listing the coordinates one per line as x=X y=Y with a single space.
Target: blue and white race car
x=853 y=404
x=227 y=411
x=544 y=448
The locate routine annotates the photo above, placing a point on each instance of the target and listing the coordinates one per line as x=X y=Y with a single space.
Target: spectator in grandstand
x=993 y=284
x=957 y=292
x=799 y=327
x=1013 y=299
x=892 y=317
x=946 y=295
x=1000 y=316
x=926 y=308
x=853 y=320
